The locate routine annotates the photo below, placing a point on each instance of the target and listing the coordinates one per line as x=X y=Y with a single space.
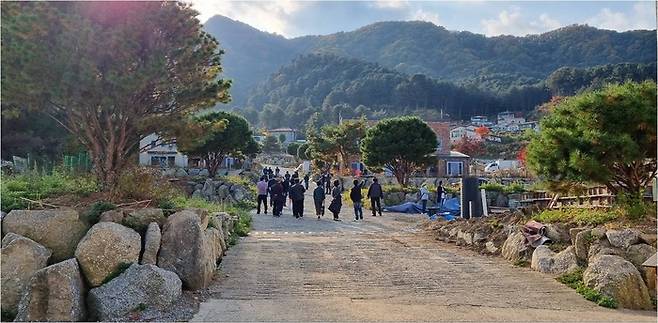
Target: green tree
x=400 y=145
x=346 y=138
x=302 y=151
x=221 y=134
x=282 y=138
x=292 y=148
x=271 y=145
x=109 y=72
x=606 y=136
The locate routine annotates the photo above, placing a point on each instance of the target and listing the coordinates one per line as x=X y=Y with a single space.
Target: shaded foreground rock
x=54 y=293
x=185 y=249
x=618 y=278
x=57 y=230
x=104 y=248
x=21 y=257
x=138 y=288
x=152 y=240
x=140 y=219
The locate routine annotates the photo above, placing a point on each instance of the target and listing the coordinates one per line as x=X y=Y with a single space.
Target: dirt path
x=380 y=270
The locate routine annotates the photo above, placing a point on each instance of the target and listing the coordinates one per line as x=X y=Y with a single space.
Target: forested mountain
x=495 y=64
x=569 y=80
x=328 y=83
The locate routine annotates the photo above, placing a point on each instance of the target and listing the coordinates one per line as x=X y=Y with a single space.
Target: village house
x=458 y=133
x=289 y=134
x=154 y=151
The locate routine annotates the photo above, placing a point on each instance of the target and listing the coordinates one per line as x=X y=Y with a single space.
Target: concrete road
x=380 y=269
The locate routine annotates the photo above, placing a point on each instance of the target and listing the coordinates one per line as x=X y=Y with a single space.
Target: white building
x=153 y=152
x=290 y=134
x=458 y=133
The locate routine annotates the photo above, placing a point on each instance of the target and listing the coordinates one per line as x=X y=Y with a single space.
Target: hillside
x=327 y=83
x=495 y=64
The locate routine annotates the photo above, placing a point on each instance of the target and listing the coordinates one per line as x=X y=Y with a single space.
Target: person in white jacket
x=424 y=196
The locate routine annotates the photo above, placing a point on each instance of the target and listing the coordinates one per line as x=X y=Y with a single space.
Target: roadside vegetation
x=575 y=280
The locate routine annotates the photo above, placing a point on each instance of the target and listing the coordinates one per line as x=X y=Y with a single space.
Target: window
x=154 y=143
x=171 y=161
x=454 y=168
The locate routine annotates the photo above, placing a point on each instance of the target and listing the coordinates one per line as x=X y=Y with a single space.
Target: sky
x=492 y=18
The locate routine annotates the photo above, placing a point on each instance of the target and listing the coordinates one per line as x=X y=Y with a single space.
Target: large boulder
x=618 y=278
x=557 y=232
x=185 y=249
x=542 y=259
x=105 y=248
x=623 y=238
x=582 y=243
x=639 y=253
x=54 y=293
x=215 y=221
x=115 y=216
x=213 y=238
x=58 y=230
x=514 y=248
x=21 y=257
x=565 y=261
x=152 y=240
x=140 y=219
x=140 y=286
x=546 y=261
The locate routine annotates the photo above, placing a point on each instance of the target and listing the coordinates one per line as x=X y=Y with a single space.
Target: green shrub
x=574 y=280
x=183 y=202
x=168 y=207
x=142 y=183
x=35 y=186
x=509 y=189
x=634 y=207
x=577 y=216
x=94 y=213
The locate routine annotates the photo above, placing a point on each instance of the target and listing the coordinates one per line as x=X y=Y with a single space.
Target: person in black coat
x=286 y=189
x=297 y=198
x=336 y=202
x=278 y=197
x=375 y=194
x=356 y=197
x=318 y=199
x=271 y=183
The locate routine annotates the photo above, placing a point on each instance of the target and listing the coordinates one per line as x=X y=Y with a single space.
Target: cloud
x=423 y=15
x=641 y=17
x=512 y=22
x=271 y=16
x=390 y=4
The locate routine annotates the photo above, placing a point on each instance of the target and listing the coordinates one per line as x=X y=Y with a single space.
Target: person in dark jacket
x=306 y=179
x=271 y=183
x=286 y=176
x=356 y=197
x=336 y=202
x=318 y=199
x=440 y=191
x=286 y=190
x=297 y=197
x=375 y=194
x=278 y=197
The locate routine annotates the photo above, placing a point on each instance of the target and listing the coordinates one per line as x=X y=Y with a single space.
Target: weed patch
x=35 y=186
x=574 y=280
x=94 y=213
x=577 y=216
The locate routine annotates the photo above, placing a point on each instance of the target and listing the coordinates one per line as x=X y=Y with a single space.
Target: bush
x=35 y=186
x=577 y=216
x=141 y=183
x=183 y=202
x=634 y=207
x=509 y=189
x=574 y=280
x=93 y=214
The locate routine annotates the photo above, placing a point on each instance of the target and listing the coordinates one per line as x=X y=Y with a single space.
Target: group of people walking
x=281 y=188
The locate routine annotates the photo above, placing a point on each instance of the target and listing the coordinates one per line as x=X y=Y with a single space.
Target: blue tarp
x=408 y=207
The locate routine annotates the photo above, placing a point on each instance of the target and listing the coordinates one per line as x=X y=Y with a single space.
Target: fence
x=78 y=163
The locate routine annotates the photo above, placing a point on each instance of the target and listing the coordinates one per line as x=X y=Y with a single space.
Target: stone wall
x=611 y=259
x=130 y=260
